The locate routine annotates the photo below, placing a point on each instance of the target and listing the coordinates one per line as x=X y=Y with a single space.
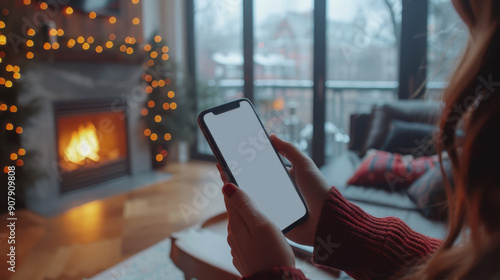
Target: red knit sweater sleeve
x=364 y=246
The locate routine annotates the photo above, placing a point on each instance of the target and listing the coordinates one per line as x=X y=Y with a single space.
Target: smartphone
x=243 y=148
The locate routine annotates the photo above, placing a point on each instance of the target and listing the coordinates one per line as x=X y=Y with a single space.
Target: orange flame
x=83 y=145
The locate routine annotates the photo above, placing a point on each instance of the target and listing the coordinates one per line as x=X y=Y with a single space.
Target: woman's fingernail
x=229 y=189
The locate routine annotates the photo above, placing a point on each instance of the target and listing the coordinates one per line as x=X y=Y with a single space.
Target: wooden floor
x=90 y=238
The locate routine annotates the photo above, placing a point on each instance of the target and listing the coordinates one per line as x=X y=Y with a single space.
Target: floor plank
x=92 y=237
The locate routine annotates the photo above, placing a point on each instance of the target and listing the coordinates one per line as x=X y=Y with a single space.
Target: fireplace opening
x=91 y=142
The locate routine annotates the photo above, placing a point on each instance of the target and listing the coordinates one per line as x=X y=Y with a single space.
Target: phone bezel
x=220 y=109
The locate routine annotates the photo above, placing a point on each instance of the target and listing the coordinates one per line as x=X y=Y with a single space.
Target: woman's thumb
x=288 y=150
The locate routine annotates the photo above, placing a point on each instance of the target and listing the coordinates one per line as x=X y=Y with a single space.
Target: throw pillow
x=429 y=193
x=410 y=138
x=391 y=171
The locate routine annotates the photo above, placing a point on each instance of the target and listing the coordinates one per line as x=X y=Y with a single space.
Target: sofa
x=370 y=131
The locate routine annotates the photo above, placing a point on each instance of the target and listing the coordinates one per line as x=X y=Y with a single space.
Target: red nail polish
x=229 y=189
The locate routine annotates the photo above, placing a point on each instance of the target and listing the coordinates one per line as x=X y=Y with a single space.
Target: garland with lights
x=160 y=105
x=13 y=117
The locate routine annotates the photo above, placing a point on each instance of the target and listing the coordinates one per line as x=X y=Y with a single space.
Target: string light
x=168 y=81
x=47 y=46
x=21 y=152
x=166 y=106
x=144 y=112
x=2 y=81
x=151 y=104
x=112 y=36
x=147 y=132
x=98 y=49
x=159 y=157
x=5 y=12
x=68 y=10
x=19 y=130
x=2 y=24
x=55 y=45
x=153 y=136
x=147 y=47
x=173 y=105
x=92 y=15
x=13 y=156
x=112 y=20
x=9 y=126
x=90 y=40
x=165 y=56
x=148 y=78
x=149 y=89
x=27 y=2
x=3 y=107
x=130 y=50
x=135 y=1
x=16 y=76
x=8 y=84
x=123 y=48
x=60 y=32
x=71 y=43
x=109 y=44
x=136 y=21
x=154 y=54
x=31 y=32
x=43 y=6
x=157 y=118
x=13 y=108
x=151 y=63
x=85 y=46
x=30 y=43
x=164 y=49
x=170 y=94
x=3 y=40
x=16 y=68
x=157 y=38
x=9 y=68
x=167 y=136
x=154 y=84
x=80 y=39
x=29 y=55
x=53 y=32
x=20 y=162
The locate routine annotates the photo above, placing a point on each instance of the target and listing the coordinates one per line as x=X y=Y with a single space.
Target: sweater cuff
x=364 y=246
x=279 y=272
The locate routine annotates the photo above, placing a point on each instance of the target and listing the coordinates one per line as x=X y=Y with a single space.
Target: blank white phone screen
x=255 y=165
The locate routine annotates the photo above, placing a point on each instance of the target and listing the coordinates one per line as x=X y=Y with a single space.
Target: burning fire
x=83 y=145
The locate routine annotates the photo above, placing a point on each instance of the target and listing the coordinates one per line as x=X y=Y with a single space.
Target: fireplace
x=91 y=142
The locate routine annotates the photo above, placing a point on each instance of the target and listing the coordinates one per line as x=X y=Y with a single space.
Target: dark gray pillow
x=410 y=138
x=429 y=193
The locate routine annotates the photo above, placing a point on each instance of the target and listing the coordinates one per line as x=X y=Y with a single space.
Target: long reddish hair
x=472 y=103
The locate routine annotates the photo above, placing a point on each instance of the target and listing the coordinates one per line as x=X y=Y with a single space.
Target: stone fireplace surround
x=52 y=82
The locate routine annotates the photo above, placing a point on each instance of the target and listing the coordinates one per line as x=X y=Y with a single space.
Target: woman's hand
x=256 y=243
x=311 y=184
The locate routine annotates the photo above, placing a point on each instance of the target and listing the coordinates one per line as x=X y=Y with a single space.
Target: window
x=447 y=36
x=362 y=62
x=362 y=56
x=283 y=56
x=218 y=33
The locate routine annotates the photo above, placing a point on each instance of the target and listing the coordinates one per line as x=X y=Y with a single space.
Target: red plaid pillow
x=395 y=171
